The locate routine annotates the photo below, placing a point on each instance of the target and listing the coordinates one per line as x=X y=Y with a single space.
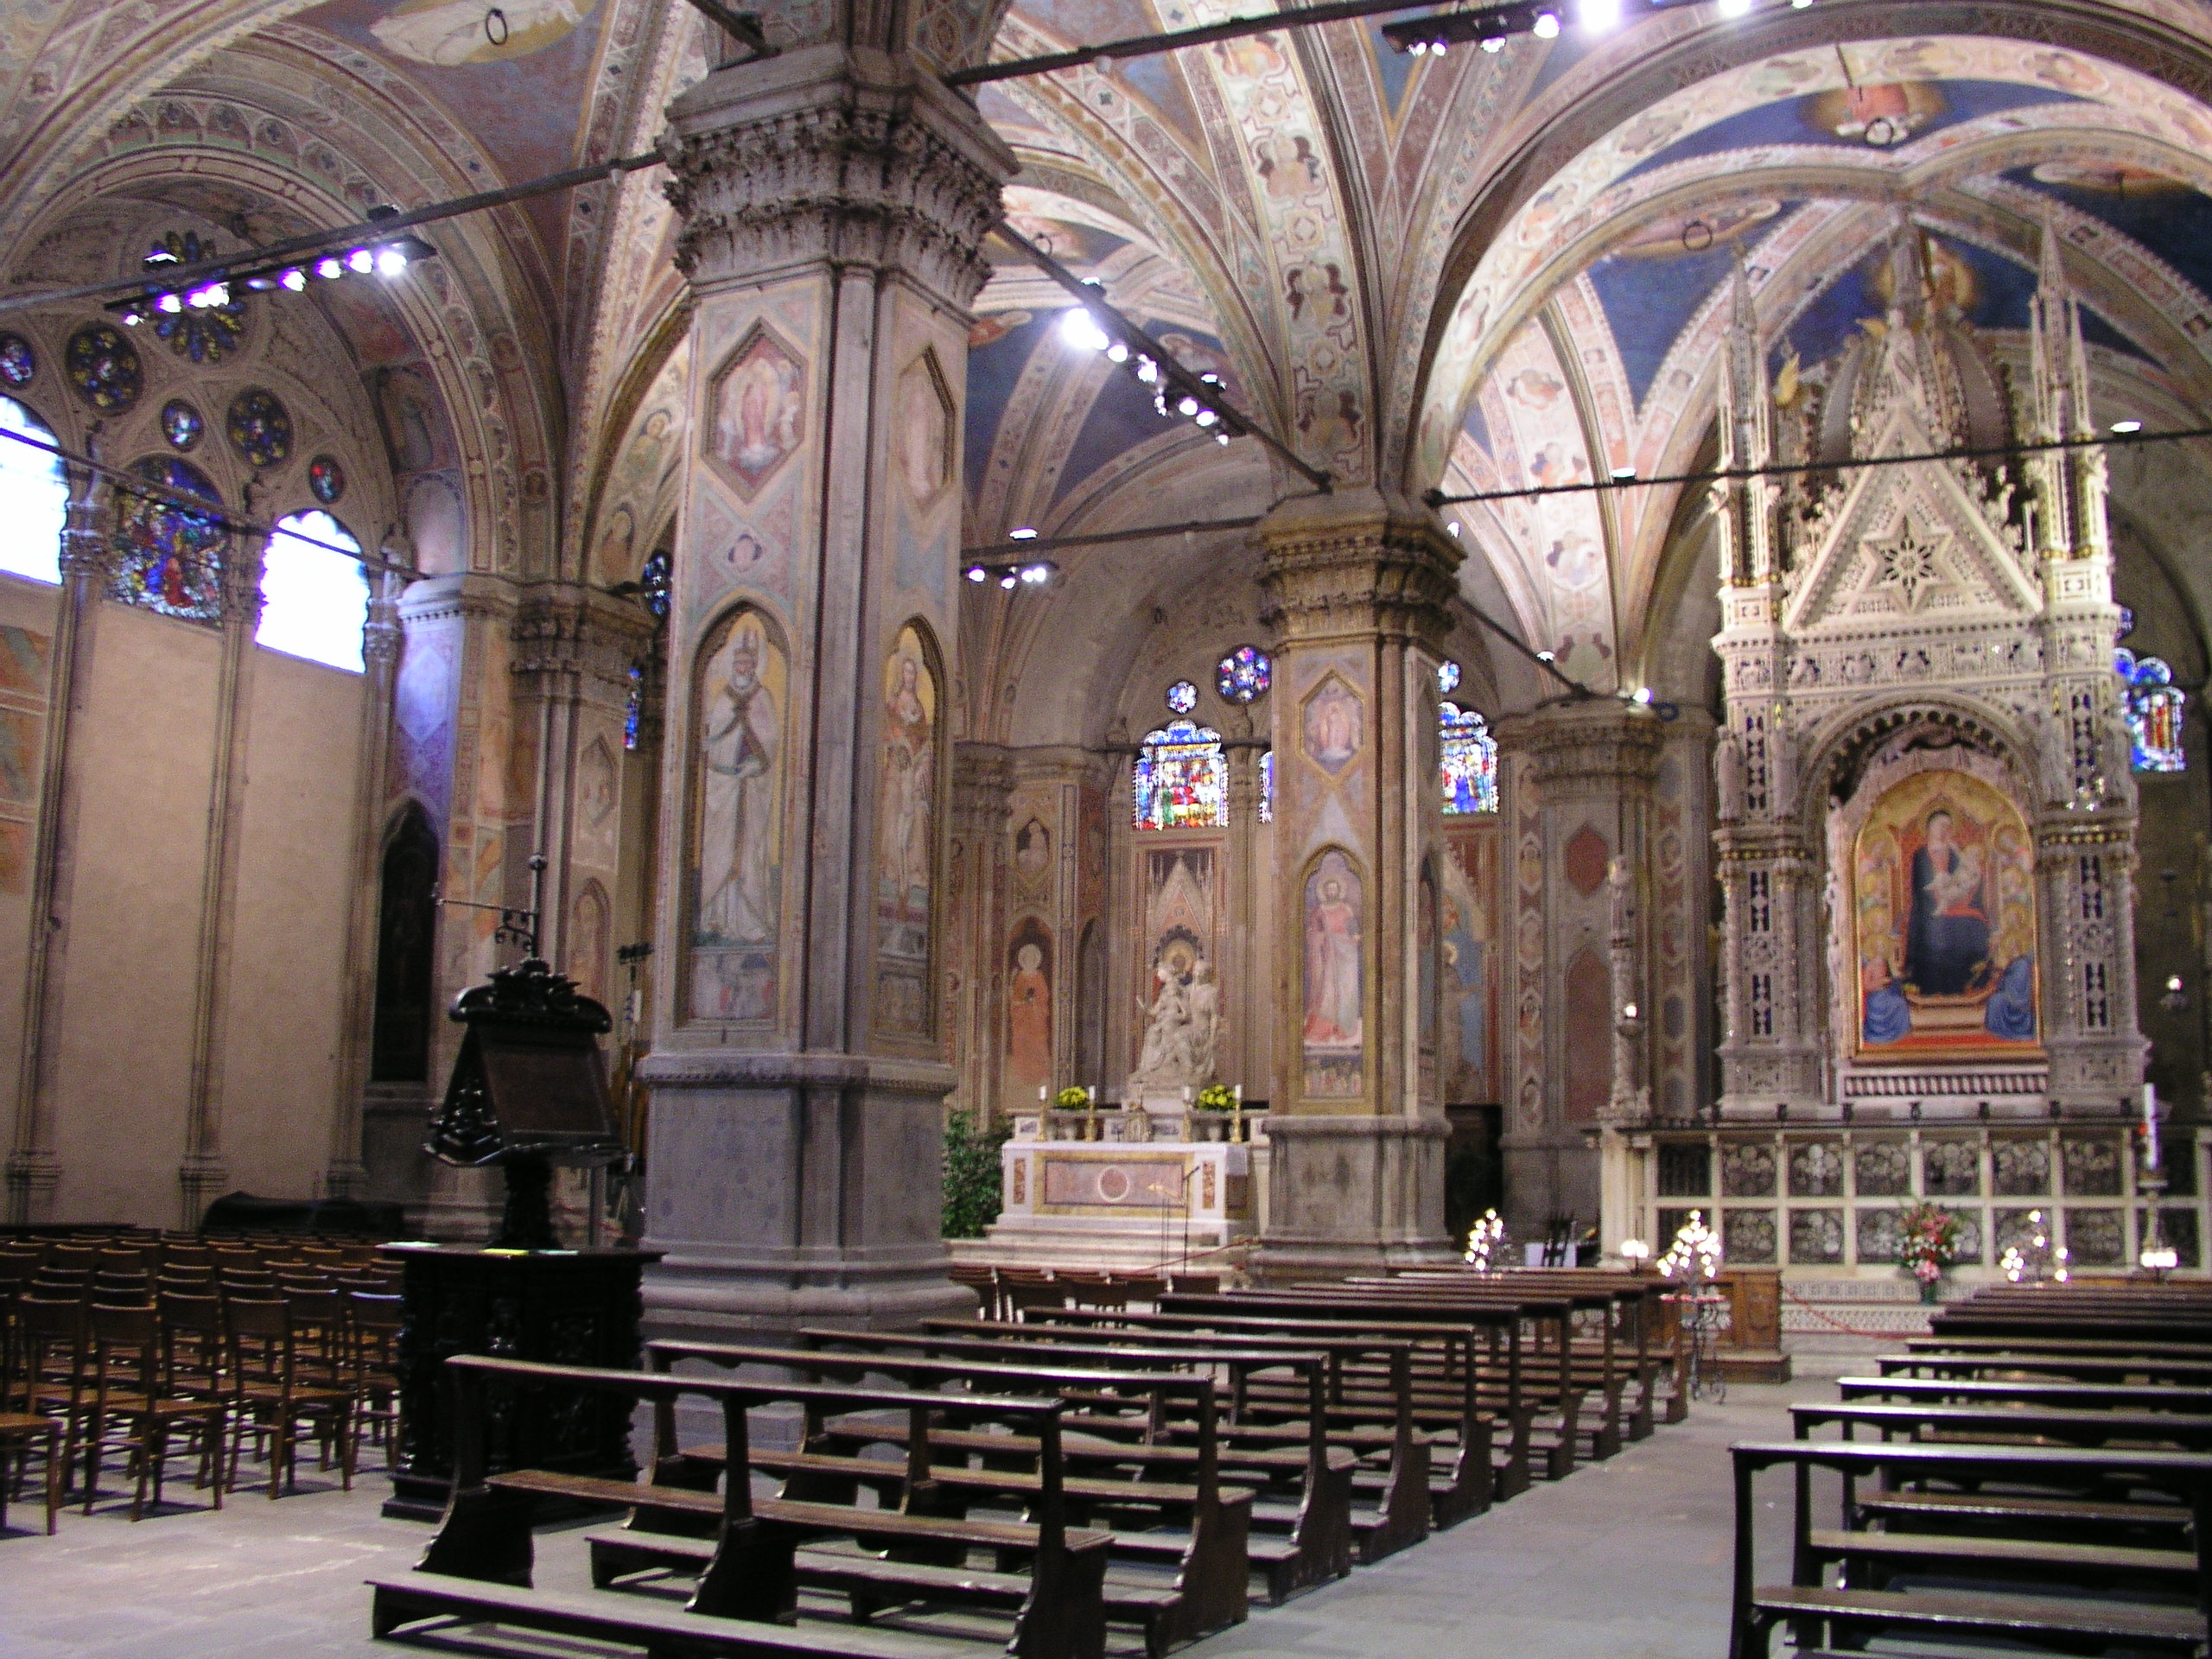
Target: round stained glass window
x=1447 y=677
x=325 y=480
x=180 y=423
x=18 y=363
x=1245 y=675
x=260 y=428
x=103 y=367
x=1182 y=696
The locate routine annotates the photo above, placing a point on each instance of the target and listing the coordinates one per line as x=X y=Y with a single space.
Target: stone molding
x=1357 y=564
x=1596 y=747
x=826 y=154
x=567 y=630
x=677 y=1069
x=466 y=596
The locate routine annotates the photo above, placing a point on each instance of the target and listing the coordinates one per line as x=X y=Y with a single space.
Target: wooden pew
x=2069 y=1395
x=2001 y=1422
x=1600 y=1367
x=1208 y=1592
x=1448 y=1393
x=2024 y=1362
x=1545 y=1379
x=485 y=1538
x=1317 y=1540
x=1641 y=1326
x=1844 y=1616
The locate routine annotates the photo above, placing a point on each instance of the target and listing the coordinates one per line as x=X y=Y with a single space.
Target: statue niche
x=1182 y=1029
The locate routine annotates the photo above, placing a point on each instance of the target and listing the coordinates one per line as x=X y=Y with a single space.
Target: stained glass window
x=1470 y=765
x=103 y=366
x=653 y=585
x=180 y=423
x=1447 y=677
x=325 y=480
x=169 y=558
x=1245 y=675
x=2154 y=712
x=634 y=714
x=315 y=601
x=33 y=498
x=1182 y=779
x=1182 y=697
x=205 y=334
x=1267 y=786
x=18 y=362
x=260 y=428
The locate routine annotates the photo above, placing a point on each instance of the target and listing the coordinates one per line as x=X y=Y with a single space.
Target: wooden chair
x=22 y=1426
x=374 y=1330
x=275 y=1397
x=131 y=1410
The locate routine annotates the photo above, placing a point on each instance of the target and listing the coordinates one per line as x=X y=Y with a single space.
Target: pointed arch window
x=1181 y=779
x=315 y=601
x=2154 y=709
x=34 y=498
x=1470 y=762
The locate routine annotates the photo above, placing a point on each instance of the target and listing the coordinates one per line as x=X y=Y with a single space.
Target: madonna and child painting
x=1944 y=897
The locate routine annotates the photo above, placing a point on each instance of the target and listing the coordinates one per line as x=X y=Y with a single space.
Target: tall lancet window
x=2153 y=711
x=1182 y=779
x=34 y=494
x=314 y=600
x=1470 y=762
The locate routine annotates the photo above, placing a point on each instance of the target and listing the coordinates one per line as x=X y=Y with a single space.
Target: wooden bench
x=1997 y=1420
x=1448 y=1393
x=1208 y=1592
x=750 y=1572
x=1643 y=1350
x=1845 y=1615
x=1378 y=1425
x=1316 y=1543
x=2064 y=1395
x=2005 y=1361
x=1537 y=1373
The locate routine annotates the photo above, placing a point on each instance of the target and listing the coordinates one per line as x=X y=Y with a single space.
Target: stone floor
x=1625 y=1559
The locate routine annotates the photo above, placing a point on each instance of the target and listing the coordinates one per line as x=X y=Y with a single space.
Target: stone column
x=34 y=1165
x=346 y=1175
x=1356 y=586
x=1580 y=810
x=834 y=201
x=205 y=1172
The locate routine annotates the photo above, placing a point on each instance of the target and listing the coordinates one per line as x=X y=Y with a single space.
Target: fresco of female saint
x=905 y=837
x=1029 y=1013
x=1333 y=1030
x=740 y=856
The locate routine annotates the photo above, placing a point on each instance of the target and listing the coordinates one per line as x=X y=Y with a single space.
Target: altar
x=1127 y=1191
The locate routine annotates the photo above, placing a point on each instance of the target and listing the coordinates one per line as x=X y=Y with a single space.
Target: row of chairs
x=203 y=1373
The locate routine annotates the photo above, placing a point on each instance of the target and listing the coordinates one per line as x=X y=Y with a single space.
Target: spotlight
x=1598 y=15
x=1205 y=417
x=391 y=262
x=329 y=268
x=1008 y=580
x=295 y=279
x=1547 y=26
x=1735 y=8
x=1643 y=696
x=1418 y=48
x=2126 y=427
x=1452 y=529
x=1493 y=42
x=1035 y=573
x=170 y=303
x=361 y=261
x=133 y=317
x=1078 y=327
x=1117 y=353
x=1148 y=370
x=976 y=573
x=1622 y=475
x=1546 y=657
x=1187 y=408
x=1026 y=533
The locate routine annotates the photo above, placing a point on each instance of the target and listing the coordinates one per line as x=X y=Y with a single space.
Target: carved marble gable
x=1912 y=548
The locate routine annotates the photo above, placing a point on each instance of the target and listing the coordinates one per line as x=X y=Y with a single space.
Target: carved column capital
x=1599 y=746
x=1357 y=563
x=982 y=788
x=567 y=634
x=826 y=154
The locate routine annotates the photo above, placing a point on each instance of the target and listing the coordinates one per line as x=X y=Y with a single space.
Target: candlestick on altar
x=1236 y=1113
x=2150 y=1127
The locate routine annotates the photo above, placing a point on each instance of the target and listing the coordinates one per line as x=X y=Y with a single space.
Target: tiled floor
x=1625 y=1560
